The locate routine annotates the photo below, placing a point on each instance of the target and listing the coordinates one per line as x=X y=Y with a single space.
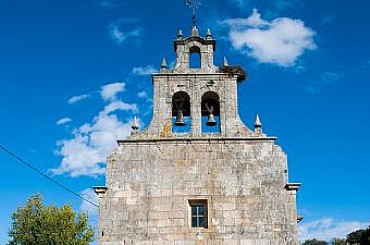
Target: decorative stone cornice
x=186 y=140
x=100 y=190
x=292 y=186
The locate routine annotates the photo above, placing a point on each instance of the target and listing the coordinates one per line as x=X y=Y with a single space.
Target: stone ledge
x=100 y=190
x=185 y=140
x=292 y=186
x=169 y=73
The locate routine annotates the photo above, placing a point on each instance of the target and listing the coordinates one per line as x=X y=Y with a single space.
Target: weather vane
x=193 y=4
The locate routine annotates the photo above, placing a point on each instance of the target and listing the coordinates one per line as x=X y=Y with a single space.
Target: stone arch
x=210 y=112
x=180 y=108
x=195 y=57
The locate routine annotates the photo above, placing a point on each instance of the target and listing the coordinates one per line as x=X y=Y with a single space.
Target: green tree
x=36 y=224
x=355 y=237
x=338 y=241
x=314 y=242
x=360 y=237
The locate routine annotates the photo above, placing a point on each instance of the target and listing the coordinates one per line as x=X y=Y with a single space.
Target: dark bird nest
x=235 y=70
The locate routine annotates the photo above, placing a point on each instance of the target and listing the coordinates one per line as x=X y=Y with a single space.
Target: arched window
x=194 y=58
x=211 y=113
x=181 y=113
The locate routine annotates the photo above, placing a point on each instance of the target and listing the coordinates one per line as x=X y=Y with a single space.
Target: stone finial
x=164 y=64
x=194 y=32
x=225 y=62
x=180 y=35
x=257 y=125
x=135 y=126
x=209 y=34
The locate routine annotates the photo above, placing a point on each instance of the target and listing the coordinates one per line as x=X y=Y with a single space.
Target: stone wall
x=150 y=183
x=195 y=85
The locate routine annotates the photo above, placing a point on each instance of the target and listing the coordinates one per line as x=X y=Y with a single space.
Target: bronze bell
x=180 y=119
x=211 y=120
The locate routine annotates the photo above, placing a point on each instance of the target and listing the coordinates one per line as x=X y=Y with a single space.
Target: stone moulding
x=220 y=139
x=100 y=190
x=292 y=186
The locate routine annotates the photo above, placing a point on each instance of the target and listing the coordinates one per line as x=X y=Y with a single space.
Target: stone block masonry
x=242 y=180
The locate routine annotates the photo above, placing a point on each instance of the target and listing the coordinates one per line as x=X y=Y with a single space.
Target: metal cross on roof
x=193 y=4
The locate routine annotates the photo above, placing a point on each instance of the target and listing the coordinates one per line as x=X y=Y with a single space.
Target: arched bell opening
x=181 y=112
x=194 y=58
x=211 y=113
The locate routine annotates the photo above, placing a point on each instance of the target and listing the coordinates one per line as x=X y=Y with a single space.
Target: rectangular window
x=199 y=213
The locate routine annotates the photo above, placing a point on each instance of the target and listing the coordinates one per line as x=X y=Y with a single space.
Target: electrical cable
x=47 y=176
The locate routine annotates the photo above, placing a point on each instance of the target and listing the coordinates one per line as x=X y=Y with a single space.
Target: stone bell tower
x=197 y=174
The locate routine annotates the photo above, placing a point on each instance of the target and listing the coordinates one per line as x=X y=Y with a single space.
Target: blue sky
x=73 y=74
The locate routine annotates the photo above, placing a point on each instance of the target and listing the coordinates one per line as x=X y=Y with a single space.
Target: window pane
x=194 y=211
x=198 y=213
x=201 y=210
x=194 y=222
x=202 y=222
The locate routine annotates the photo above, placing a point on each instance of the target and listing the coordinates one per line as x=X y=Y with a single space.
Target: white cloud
x=327 y=19
x=87 y=207
x=324 y=79
x=63 y=120
x=142 y=94
x=77 y=98
x=86 y=151
x=330 y=77
x=109 y=4
x=328 y=228
x=280 y=41
x=273 y=8
x=80 y=158
x=121 y=31
x=254 y=20
x=109 y=91
x=119 y=105
x=300 y=69
x=311 y=89
x=143 y=71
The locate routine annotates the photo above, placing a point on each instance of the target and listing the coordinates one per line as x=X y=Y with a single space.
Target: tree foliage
x=36 y=224
x=360 y=237
x=338 y=241
x=314 y=242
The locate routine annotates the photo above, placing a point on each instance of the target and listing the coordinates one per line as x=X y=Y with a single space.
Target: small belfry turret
x=195 y=100
x=197 y=174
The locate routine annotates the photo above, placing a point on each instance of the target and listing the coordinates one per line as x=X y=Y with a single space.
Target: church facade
x=197 y=174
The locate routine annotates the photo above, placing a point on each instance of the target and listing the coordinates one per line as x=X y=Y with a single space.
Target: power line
x=47 y=176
